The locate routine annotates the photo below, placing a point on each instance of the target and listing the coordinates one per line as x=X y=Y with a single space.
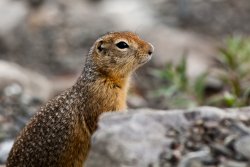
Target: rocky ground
x=202 y=137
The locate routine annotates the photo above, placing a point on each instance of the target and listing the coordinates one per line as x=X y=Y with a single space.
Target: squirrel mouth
x=145 y=60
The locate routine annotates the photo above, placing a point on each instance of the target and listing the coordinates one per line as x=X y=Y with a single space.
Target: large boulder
x=193 y=138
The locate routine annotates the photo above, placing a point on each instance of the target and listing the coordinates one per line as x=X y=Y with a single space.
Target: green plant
x=234 y=60
x=179 y=91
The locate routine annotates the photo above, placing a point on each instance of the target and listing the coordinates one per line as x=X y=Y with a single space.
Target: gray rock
x=135 y=101
x=193 y=159
x=134 y=143
x=5 y=149
x=242 y=146
x=183 y=138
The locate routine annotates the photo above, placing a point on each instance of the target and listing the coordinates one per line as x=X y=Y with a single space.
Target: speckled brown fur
x=59 y=134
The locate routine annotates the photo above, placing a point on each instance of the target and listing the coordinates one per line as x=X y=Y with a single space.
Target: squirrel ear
x=100 y=46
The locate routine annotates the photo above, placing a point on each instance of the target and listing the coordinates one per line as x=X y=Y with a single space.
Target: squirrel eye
x=122 y=45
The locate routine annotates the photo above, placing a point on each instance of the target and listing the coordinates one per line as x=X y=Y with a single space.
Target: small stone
x=220 y=150
x=242 y=146
x=13 y=89
x=230 y=163
x=5 y=148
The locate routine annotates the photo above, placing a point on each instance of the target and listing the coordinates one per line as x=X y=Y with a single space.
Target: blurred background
x=202 y=53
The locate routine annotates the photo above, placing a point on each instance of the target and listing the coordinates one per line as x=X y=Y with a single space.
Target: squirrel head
x=120 y=53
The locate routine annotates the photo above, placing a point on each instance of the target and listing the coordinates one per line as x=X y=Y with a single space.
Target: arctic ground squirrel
x=59 y=135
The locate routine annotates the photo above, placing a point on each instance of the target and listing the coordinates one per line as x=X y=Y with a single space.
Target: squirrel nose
x=150 y=52
x=151 y=49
